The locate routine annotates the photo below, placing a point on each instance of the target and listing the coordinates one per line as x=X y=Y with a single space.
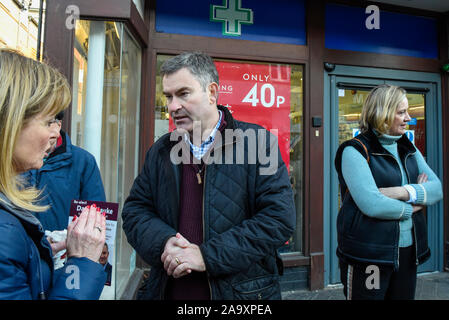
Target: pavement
x=429 y=286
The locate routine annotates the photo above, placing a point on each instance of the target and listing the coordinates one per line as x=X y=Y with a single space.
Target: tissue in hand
x=56 y=236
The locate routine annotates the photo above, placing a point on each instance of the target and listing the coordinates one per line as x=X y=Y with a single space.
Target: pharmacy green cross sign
x=232 y=15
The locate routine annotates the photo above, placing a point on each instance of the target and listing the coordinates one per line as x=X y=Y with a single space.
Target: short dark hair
x=199 y=64
x=60 y=115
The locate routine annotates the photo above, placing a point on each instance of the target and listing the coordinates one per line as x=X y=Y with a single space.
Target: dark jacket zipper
x=204 y=229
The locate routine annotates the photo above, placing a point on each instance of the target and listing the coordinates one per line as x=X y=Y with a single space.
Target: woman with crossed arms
x=385 y=183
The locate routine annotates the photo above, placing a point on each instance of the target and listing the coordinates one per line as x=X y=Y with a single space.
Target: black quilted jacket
x=246 y=217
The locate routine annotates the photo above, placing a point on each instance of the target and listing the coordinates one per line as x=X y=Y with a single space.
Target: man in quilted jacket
x=213 y=202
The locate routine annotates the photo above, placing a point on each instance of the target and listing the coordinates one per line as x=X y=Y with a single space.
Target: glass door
x=345 y=96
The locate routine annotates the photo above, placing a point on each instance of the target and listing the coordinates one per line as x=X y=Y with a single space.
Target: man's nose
x=174 y=105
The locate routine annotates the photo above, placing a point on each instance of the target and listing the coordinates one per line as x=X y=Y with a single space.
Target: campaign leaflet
x=111 y=209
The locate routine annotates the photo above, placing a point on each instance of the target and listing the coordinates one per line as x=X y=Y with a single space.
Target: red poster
x=258 y=93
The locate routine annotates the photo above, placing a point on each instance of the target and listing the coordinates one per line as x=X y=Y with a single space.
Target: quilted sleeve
x=265 y=231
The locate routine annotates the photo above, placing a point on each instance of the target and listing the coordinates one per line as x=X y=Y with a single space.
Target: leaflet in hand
x=111 y=209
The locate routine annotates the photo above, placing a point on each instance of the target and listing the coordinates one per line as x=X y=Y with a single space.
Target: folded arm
x=360 y=181
x=426 y=191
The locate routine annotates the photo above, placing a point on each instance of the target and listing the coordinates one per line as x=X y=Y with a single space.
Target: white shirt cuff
x=412 y=193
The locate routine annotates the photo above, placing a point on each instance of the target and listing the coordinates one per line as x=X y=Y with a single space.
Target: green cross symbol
x=232 y=15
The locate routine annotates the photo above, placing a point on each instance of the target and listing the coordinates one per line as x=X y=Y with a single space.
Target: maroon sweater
x=193 y=286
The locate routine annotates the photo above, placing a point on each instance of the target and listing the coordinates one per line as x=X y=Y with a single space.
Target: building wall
x=19 y=25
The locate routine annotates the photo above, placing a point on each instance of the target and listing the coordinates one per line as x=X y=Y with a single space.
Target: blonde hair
x=380 y=107
x=27 y=88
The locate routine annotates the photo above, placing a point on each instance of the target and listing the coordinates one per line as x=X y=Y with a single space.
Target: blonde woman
x=31 y=94
x=385 y=182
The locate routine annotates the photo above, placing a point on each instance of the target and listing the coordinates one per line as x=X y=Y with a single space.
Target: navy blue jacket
x=70 y=173
x=26 y=265
x=364 y=239
x=246 y=218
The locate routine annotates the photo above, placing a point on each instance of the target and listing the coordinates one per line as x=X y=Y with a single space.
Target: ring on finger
x=177 y=261
x=98 y=228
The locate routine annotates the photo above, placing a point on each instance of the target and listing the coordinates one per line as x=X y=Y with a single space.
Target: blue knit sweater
x=373 y=203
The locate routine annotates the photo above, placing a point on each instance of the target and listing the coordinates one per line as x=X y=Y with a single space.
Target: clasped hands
x=180 y=257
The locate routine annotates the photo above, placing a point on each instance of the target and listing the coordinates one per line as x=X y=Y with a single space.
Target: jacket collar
x=63 y=147
x=230 y=123
x=404 y=144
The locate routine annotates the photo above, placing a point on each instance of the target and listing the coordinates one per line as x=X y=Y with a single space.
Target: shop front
x=299 y=68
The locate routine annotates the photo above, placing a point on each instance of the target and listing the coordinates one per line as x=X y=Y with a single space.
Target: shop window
x=268 y=94
x=105 y=121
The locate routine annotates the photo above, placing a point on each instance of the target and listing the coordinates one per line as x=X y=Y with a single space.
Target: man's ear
x=213 y=92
